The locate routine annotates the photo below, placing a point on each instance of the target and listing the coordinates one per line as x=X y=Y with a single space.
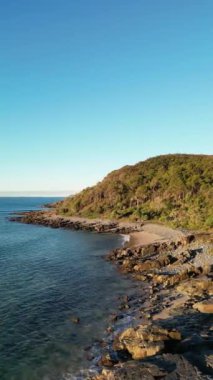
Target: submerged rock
x=75 y=319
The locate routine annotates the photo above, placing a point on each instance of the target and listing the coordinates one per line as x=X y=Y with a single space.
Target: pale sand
x=152 y=233
x=143 y=238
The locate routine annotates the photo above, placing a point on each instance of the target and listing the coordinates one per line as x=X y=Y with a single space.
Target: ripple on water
x=48 y=276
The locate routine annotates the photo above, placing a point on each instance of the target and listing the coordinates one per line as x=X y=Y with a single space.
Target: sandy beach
x=152 y=233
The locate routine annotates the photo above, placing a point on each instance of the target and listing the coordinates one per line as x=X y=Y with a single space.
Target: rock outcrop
x=167 y=367
x=51 y=219
x=144 y=340
x=170 y=335
x=205 y=306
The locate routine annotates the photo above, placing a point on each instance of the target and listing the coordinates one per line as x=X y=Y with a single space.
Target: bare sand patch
x=152 y=233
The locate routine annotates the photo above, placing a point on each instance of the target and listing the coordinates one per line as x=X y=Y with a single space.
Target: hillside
x=175 y=189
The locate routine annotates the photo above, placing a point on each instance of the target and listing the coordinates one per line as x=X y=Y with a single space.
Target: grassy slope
x=176 y=189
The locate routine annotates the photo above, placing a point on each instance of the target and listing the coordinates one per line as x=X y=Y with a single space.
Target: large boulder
x=205 y=306
x=144 y=340
x=196 y=287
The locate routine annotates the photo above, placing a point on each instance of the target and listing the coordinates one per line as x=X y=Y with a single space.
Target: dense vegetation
x=175 y=189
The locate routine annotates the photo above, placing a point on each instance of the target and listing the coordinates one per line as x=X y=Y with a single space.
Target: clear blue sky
x=88 y=86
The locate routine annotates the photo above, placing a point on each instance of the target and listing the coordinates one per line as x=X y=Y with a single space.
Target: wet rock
x=107 y=361
x=109 y=329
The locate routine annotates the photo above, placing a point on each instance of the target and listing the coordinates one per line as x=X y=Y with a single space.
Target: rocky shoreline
x=172 y=336
x=164 y=329
x=50 y=219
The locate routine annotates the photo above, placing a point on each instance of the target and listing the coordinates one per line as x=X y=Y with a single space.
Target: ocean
x=47 y=278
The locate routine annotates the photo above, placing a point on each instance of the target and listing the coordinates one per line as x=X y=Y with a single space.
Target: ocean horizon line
x=36 y=193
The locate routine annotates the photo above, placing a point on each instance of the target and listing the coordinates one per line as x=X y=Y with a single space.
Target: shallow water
x=47 y=276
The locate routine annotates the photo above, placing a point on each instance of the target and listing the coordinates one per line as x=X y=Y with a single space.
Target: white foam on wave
x=125 y=238
x=83 y=374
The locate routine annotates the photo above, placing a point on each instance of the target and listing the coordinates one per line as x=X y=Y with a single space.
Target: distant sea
x=47 y=277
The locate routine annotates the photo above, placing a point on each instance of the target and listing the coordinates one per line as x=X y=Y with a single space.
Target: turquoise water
x=47 y=276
